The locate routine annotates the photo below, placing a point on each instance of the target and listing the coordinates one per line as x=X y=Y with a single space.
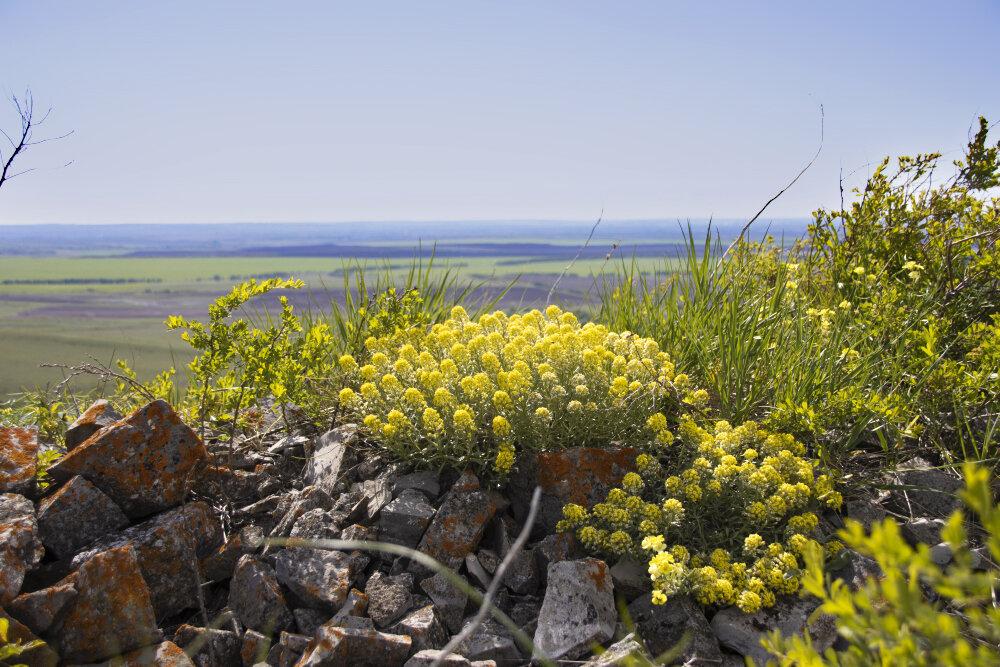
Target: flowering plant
x=470 y=394
x=725 y=516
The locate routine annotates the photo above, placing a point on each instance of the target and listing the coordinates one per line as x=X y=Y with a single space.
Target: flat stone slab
x=331 y=456
x=38 y=610
x=146 y=462
x=18 y=459
x=335 y=646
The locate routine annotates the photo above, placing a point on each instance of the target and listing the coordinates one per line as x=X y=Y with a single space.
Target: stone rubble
x=131 y=555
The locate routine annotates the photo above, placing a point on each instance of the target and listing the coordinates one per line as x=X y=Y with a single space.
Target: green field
x=73 y=310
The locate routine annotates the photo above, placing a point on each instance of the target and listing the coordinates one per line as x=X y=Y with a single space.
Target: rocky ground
x=148 y=546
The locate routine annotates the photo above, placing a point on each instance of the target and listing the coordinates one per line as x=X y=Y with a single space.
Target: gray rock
x=289 y=443
x=624 y=652
x=97 y=416
x=555 y=548
x=448 y=598
x=308 y=620
x=256 y=598
x=477 y=572
x=631 y=578
x=663 y=626
x=936 y=495
x=18 y=459
x=319 y=578
x=522 y=574
x=405 y=519
x=427 y=658
x=316 y=524
x=941 y=554
x=19 y=529
x=578 y=609
x=922 y=531
x=427 y=482
x=38 y=610
x=388 y=597
x=424 y=627
x=220 y=565
x=491 y=641
x=334 y=646
x=866 y=510
x=854 y=569
x=379 y=494
x=207 y=647
x=290 y=648
x=76 y=515
x=743 y=633
x=331 y=457
x=255 y=648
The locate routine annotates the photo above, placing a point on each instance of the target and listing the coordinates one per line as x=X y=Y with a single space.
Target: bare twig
x=103 y=372
x=771 y=200
x=20 y=143
x=548 y=299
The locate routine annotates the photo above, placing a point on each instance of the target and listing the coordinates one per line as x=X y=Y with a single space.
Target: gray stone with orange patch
x=19 y=529
x=146 y=462
x=169 y=548
x=389 y=597
x=76 y=515
x=97 y=416
x=335 y=646
x=164 y=654
x=458 y=524
x=319 y=578
x=424 y=627
x=18 y=459
x=578 y=609
x=39 y=609
x=449 y=599
x=111 y=615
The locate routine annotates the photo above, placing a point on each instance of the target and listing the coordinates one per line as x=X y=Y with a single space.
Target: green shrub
x=469 y=394
x=670 y=514
x=894 y=620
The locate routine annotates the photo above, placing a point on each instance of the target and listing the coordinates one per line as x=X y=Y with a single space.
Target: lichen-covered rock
x=522 y=574
x=19 y=529
x=220 y=564
x=553 y=549
x=582 y=475
x=40 y=656
x=355 y=606
x=170 y=547
x=424 y=627
x=255 y=648
x=319 y=578
x=578 y=609
x=405 y=519
x=335 y=646
x=76 y=515
x=97 y=416
x=12 y=573
x=146 y=462
x=388 y=597
x=316 y=524
x=112 y=613
x=491 y=641
x=662 y=626
x=742 y=633
x=38 y=610
x=18 y=459
x=256 y=598
x=458 y=524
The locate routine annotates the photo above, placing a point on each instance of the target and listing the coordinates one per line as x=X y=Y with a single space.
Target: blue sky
x=332 y=111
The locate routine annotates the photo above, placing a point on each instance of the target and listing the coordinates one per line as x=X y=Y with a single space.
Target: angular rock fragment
x=208 y=647
x=19 y=529
x=332 y=455
x=522 y=574
x=255 y=648
x=164 y=654
x=11 y=574
x=308 y=620
x=742 y=633
x=578 y=609
x=631 y=579
x=18 y=459
x=76 y=515
x=97 y=416
x=427 y=482
x=491 y=641
x=146 y=462
x=169 y=547
x=625 y=651
x=40 y=656
x=388 y=597
x=256 y=598
x=319 y=578
x=449 y=600
x=316 y=524
x=424 y=627
x=458 y=524
x=112 y=613
x=553 y=549
x=355 y=606
x=38 y=610
x=663 y=626
x=936 y=497
x=334 y=646
x=220 y=565
x=405 y=519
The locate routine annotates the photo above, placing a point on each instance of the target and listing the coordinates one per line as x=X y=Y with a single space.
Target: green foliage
x=893 y=620
x=9 y=649
x=669 y=514
x=46 y=457
x=469 y=393
x=45 y=410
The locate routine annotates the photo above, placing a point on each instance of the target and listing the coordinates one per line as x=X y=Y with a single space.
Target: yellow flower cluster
x=468 y=393
x=759 y=481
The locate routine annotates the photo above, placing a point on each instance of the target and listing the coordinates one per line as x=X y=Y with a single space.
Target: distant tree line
x=80 y=281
